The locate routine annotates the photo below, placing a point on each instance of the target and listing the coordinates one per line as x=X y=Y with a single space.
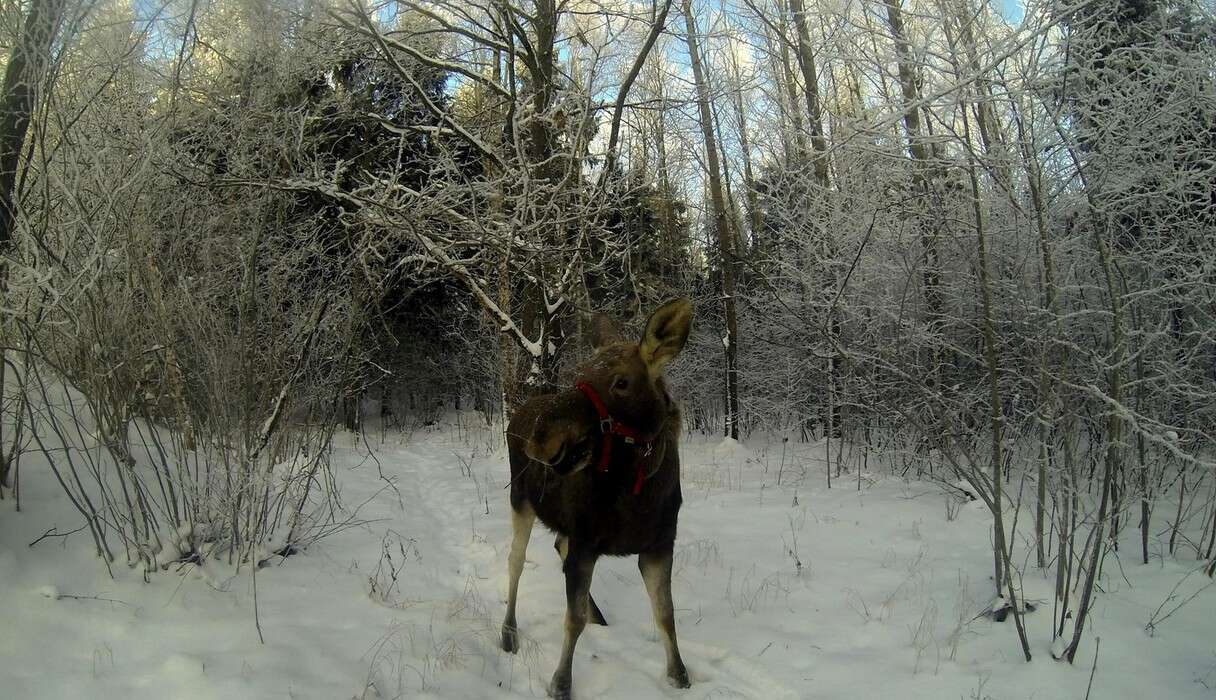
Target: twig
x=62 y=596
x=257 y=620
x=1092 y=670
x=52 y=533
x=272 y=420
x=1153 y=621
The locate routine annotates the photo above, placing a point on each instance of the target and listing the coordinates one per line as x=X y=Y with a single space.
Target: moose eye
x=620 y=384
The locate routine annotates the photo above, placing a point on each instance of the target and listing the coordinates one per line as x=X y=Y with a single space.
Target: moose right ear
x=665 y=334
x=602 y=331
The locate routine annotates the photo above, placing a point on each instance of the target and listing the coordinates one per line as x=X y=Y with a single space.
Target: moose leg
x=579 y=567
x=656 y=573
x=596 y=617
x=521 y=527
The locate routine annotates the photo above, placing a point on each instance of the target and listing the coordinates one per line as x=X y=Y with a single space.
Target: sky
x=1012 y=9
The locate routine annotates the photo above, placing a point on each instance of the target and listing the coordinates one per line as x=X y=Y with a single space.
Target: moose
x=599 y=464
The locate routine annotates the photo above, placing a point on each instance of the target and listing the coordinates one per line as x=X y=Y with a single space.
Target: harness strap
x=610 y=427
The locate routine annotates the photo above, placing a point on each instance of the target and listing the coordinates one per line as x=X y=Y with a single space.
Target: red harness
x=609 y=428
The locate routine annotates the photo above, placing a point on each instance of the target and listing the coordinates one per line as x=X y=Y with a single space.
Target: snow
x=1058 y=647
x=782 y=591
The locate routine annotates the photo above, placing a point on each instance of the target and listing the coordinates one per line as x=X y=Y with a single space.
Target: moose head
x=628 y=379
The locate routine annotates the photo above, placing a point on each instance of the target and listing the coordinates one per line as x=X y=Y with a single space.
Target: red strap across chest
x=610 y=428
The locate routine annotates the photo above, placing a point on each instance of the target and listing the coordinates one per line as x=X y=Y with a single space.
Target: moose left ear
x=602 y=332
x=665 y=334
x=559 y=425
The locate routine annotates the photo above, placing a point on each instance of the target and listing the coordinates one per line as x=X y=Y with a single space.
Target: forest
x=276 y=274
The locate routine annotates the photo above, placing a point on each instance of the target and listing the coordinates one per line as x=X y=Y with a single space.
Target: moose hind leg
x=656 y=573
x=578 y=567
x=521 y=528
x=595 y=617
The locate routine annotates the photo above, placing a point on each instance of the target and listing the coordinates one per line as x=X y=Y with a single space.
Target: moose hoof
x=510 y=639
x=678 y=678
x=560 y=689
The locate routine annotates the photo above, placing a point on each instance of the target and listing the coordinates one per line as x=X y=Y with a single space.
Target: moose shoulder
x=599 y=464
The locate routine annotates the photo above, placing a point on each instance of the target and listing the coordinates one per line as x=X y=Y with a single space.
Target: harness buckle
x=649 y=449
x=606 y=425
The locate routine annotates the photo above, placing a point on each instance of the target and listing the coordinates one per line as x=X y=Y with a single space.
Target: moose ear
x=602 y=331
x=557 y=425
x=665 y=334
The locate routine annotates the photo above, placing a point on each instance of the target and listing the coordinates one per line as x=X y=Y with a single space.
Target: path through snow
x=782 y=591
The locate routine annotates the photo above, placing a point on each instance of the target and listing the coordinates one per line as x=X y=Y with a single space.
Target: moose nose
x=574 y=457
x=545 y=447
x=555 y=461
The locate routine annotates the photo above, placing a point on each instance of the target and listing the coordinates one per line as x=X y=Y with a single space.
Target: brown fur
x=554 y=443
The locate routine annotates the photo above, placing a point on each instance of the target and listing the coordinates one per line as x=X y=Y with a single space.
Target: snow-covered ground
x=782 y=591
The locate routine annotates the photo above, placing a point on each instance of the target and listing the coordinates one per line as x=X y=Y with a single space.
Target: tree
x=721 y=225
x=27 y=67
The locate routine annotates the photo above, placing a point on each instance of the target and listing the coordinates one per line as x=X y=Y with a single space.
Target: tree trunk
x=790 y=101
x=730 y=343
x=1112 y=460
x=656 y=28
x=922 y=157
x=541 y=305
x=996 y=419
x=991 y=137
x=749 y=179
x=810 y=79
x=1046 y=398
x=26 y=66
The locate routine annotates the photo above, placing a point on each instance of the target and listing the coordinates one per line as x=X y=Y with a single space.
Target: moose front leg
x=521 y=526
x=656 y=573
x=562 y=545
x=578 y=566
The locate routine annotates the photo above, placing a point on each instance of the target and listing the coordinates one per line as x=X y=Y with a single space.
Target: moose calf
x=599 y=464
